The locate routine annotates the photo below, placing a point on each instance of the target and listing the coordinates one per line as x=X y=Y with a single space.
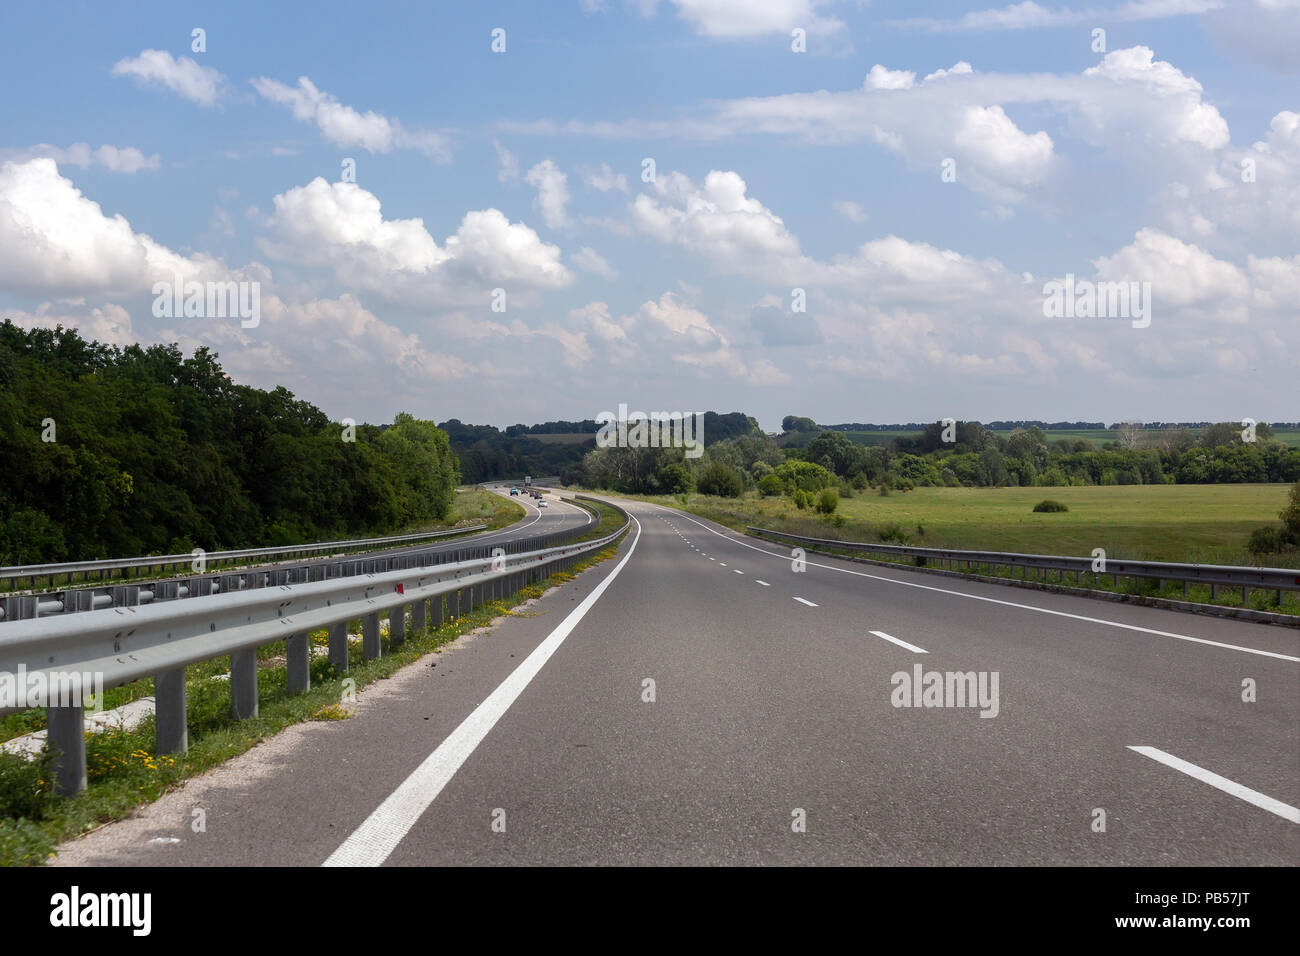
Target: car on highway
x=542 y=503
x=514 y=491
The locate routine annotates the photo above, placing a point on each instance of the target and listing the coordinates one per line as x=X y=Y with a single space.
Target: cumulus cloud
x=341 y=226
x=108 y=323
x=184 y=77
x=54 y=239
x=716 y=219
x=345 y=126
x=881 y=78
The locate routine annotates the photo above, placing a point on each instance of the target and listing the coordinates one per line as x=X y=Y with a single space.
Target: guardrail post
x=435 y=611
x=126 y=595
x=299 y=667
x=67 y=737
x=370 y=644
x=21 y=607
x=243 y=684
x=397 y=625
x=171 y=734
x=339 y=646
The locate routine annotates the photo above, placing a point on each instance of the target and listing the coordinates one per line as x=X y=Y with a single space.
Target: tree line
x=116 y=452
x=966 y=454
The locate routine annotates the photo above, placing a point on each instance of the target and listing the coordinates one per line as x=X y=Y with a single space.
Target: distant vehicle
x=528 y=480
x=542 y=503
x=514 y=491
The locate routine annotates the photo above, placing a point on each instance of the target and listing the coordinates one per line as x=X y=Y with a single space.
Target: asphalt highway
x=702 y=698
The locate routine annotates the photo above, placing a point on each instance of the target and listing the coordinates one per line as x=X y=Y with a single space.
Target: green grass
x=1206 y=524
x=124 y=772
x=1198 y=523
x=477 y=506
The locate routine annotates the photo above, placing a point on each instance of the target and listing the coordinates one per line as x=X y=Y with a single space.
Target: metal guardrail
x=26 y=606
x=15 y=573
x=1215 y=575
x=123 y=644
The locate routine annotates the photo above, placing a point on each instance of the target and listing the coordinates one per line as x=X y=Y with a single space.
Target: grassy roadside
x=124 y=772
x=610 y=521
x=1205 y=524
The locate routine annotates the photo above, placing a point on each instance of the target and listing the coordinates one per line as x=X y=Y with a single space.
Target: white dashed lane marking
x=893 y=640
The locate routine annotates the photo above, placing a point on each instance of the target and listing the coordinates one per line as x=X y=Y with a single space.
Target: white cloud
x=116 y=159
x=589 y=260
x=552 y=193
x=736 y=19
x=1188 y=118
x=199 y=84
x=341 y=225
x=1182 y=275
x=881 y=78
x=52 y=238
x=988 y=136
x=108 y=323
x=957 y=69
x=716 y=219
x=344 y=126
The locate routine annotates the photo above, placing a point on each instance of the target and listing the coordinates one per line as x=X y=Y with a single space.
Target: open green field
x=1199 y=523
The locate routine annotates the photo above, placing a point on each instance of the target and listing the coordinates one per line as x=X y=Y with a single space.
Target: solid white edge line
x=893 y=640
x=989 y=600
x=1263 y=801
x=380 y=833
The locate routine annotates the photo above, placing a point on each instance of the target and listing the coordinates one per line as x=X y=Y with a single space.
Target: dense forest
x=115 y=452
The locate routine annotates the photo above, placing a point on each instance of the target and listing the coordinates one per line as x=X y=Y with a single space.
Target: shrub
x=805 y=475
x=722 y=480
x=1048 y=505
x=1267 y=540
x=828 y=501
x=892 y=532
x=770 y=486
x=802 y=499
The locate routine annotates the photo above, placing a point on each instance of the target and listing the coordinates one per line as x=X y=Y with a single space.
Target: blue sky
x=130 y=157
